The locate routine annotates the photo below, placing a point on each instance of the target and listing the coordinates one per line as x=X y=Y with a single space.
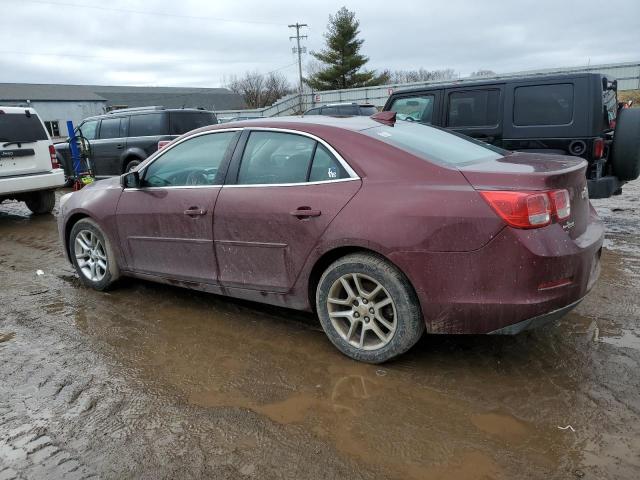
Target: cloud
x=190 y=44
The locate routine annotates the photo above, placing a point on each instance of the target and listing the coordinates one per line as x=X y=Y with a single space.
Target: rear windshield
x=435 y=144
x=16 y=127
x=183 y=122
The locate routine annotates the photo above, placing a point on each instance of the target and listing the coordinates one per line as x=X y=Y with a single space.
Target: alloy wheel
x=362 y=311
x=90 y=255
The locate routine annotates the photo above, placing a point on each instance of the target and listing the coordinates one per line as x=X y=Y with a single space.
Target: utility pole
x=299 y=51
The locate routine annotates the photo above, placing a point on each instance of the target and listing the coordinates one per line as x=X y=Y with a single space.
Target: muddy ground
x=151 y=381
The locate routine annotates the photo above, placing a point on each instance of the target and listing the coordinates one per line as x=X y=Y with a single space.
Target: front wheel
x=368 y=308
x=92 y=255
x=131 y=164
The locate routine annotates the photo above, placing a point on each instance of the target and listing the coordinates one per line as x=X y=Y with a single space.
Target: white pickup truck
x=29 y=168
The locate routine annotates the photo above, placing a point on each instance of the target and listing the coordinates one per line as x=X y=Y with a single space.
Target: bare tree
x=483 y=73
x=259 y=90
x=420 y=75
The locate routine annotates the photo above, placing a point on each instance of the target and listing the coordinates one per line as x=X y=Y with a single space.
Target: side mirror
x=130 y=180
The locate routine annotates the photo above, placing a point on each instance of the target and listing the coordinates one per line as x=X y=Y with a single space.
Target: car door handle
x=306 y=212
x=195 y=211
x=119 y=146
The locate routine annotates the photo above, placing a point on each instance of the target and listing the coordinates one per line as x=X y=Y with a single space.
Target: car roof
x=340 y=104
x=128 y=112
x=8 y=109
x=492 y=81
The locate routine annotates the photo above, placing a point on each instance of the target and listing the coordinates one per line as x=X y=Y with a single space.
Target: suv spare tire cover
x=625 y=157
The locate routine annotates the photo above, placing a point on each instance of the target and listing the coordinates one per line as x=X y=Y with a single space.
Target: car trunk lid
x=537 y=172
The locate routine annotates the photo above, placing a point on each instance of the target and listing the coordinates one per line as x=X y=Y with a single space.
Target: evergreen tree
x=341 y=58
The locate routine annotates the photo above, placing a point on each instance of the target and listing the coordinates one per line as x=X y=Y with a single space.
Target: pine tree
x=341 y=57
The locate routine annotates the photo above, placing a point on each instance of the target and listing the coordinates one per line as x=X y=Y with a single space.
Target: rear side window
x=416 y=109
x=313 y=111
x=110 y=128
x=330 y=110
x=183 y=122
x=473 y=108
x=368 y=110
x=347 y=110
x=147 y=125
x=435 y=144
x=274 y=157
x=543 y=105
x=18 y=127
x=325 y=166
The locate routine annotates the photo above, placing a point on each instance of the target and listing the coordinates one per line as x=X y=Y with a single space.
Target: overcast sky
x=201 y=42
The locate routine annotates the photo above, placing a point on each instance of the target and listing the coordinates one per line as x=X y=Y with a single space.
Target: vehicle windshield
x=435 y=144
x=17 y=127
x=183 y=122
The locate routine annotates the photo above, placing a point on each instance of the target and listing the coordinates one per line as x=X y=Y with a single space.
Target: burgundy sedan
x=385 y=229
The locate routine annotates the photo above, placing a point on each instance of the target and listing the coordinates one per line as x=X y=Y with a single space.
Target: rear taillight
x=163 y=143
x=520 y=209
x=560 y=204
x=54 y=158
x=529 y=209
x=598 y=148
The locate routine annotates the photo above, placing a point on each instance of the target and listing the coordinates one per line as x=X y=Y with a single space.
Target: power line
x=148 y=12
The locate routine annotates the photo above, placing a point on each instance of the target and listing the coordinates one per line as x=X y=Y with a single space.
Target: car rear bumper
x=31 y=183
x=508 y=282
x=536 y=322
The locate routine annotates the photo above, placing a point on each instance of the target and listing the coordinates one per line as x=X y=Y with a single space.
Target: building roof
x=21 y=92
x=170 y=97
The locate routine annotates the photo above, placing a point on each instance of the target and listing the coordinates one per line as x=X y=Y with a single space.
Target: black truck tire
x=41 y=202
x=625 y=156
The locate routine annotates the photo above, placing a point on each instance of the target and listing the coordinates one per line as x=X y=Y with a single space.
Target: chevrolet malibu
x=385 y=229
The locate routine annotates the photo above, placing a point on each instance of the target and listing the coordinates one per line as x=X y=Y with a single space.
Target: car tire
x=92 y=255
x=131 y=164
x=364 y=325
x=41 y=202
x=625 y=156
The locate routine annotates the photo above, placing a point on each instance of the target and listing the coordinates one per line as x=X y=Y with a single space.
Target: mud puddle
x=151 y=381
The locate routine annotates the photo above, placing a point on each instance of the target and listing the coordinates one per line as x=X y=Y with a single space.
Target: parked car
x=384 y=228
x=121 y=139
x=236 y=119
x=343 y=109
x=573 y=114
x=29 y=169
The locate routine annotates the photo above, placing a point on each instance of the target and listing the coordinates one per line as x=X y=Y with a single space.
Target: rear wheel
x=368 y=309
x=625 y=156
x=41 y=202
x=92 y=255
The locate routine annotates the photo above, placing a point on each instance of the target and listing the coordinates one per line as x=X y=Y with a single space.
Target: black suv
x=121 y=139
x=571 y=114
x=344 y=109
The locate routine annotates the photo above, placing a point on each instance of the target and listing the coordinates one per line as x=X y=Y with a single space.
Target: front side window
x=193 y=162
x=313 y=111
x=88 y=129
x=416 y=109
x=275 y=157
x=474 y=108
x=347 y=110
x=110 y=128
x=332 y=110
x=147 y=125
x=368 y=110
x=543 y=105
